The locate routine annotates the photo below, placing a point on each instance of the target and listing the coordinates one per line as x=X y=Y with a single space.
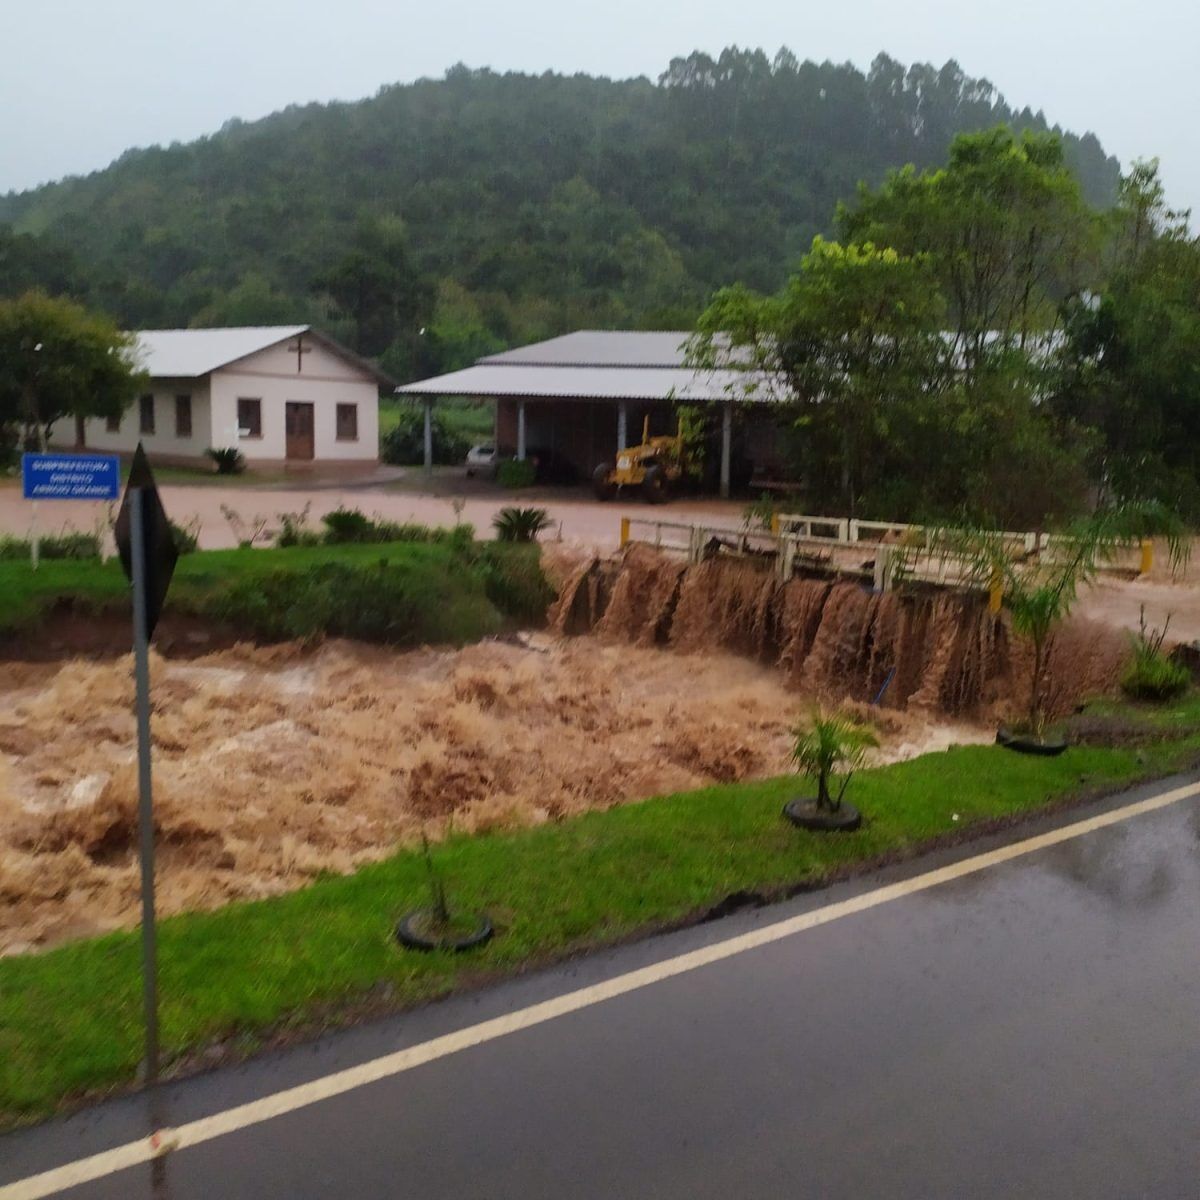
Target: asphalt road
x=1027 y=1030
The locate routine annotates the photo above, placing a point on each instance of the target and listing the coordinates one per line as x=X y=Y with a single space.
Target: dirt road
x=578 y=517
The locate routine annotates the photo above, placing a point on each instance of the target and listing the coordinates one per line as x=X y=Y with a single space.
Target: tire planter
x=804 y=814
x=1027 y=745
x=413 y=930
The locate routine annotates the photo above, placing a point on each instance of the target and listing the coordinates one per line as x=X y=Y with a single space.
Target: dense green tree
x=28 y=262
x=554 y=201
x=1006 y=228
x=253 y=300
x=57 y=359
x=1130 y=364
x=386 y=301
x=854 y=343
x=918 y=376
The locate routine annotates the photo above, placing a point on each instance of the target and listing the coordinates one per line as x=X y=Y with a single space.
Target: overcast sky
x=83 y=80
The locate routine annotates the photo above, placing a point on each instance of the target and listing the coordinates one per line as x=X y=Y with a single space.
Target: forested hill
x=506 y=207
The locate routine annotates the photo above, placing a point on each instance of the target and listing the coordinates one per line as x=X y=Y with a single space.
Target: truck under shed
x=584 y=395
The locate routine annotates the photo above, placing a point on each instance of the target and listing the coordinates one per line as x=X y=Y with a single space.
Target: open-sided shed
x=585 y=394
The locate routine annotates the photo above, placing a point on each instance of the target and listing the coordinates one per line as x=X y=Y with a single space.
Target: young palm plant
x=1040 y=589
x=826 y=745
x=514 y=524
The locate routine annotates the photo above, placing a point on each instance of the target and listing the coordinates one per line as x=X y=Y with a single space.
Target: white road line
x=85 y=1170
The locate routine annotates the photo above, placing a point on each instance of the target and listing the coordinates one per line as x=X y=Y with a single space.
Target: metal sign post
x=148 y=553
x=141 y=671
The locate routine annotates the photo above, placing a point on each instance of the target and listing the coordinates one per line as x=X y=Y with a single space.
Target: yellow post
x=775 y=523
x=624 y=532
x=1147 y=556
x=995 y=594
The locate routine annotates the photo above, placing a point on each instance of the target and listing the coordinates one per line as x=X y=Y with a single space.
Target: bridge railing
x=898 y=551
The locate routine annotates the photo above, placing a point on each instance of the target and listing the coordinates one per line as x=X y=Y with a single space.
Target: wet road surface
x=1030 y=1030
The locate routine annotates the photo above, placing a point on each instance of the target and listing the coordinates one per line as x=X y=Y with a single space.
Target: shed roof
x=595 y=364
x=491 y=379
x=192 y=353
x=600 y=348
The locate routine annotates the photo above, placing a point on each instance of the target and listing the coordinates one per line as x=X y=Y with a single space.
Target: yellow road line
x=243 y=1116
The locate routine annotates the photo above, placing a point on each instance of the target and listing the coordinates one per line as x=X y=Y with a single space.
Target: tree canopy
x=918 y=359
x=56 y=360
x=495 y=208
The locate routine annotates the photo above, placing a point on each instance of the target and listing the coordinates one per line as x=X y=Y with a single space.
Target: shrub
x=404 y=444
x=516 y=473
x=228 y=460
x=345 y=525
x=1152 y=675
x=349 y=525
x=294 y=531
x=760 y=514
x=398 y=603
x=520 y=524
x=55 y=545
x=187 y=537
x=513 y=579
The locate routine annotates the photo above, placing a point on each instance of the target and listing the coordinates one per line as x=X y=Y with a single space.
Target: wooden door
x=298 y=421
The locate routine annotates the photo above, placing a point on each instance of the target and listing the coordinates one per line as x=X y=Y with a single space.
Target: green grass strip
x=70 y=1019
x=454 y=594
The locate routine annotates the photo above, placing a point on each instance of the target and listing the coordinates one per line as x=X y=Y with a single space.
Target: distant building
x=280 y=394
x=584 y=395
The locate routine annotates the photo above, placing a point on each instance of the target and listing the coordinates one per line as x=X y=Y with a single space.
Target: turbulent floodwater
x=274 y=764
x=938 y=652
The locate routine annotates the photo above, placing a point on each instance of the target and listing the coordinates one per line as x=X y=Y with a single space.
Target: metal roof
x=190 y=353
x=600 y=348
x=490 y=379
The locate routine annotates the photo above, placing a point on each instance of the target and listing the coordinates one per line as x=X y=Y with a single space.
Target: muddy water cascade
x=924 y=649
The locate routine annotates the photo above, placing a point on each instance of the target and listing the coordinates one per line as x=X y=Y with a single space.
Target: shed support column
x=622 y=425
x=726 y=446
x=428 y=436
x=521 y=430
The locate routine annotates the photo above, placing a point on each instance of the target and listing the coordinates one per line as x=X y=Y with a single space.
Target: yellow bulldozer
x=655 y=467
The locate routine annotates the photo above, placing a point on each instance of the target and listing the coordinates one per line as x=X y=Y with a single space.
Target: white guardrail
x=798 y=541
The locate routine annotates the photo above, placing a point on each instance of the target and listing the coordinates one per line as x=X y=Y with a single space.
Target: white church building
x=279 y=393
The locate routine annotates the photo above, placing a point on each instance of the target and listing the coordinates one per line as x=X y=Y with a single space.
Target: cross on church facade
x=300 y=349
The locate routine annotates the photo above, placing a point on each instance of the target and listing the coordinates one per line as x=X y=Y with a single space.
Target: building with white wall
x=279 y=393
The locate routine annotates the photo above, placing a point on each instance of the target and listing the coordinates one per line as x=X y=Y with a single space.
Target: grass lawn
x=70 y=1020
x=449 y=593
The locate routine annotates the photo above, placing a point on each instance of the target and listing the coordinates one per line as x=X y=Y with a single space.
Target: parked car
x=482 y=459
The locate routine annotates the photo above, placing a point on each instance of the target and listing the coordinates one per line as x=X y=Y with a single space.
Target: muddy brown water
x=273 y=764
x=937 y=651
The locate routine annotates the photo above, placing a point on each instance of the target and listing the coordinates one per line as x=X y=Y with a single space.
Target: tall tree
x=1005 y=227
x=852 y=343
x=57 y=359
x=376 y=286
x=1130 y=365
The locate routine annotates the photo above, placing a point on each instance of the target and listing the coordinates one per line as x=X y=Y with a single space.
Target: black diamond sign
x=159 y=542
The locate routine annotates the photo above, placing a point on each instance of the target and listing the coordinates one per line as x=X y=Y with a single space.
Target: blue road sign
x=70 y=476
